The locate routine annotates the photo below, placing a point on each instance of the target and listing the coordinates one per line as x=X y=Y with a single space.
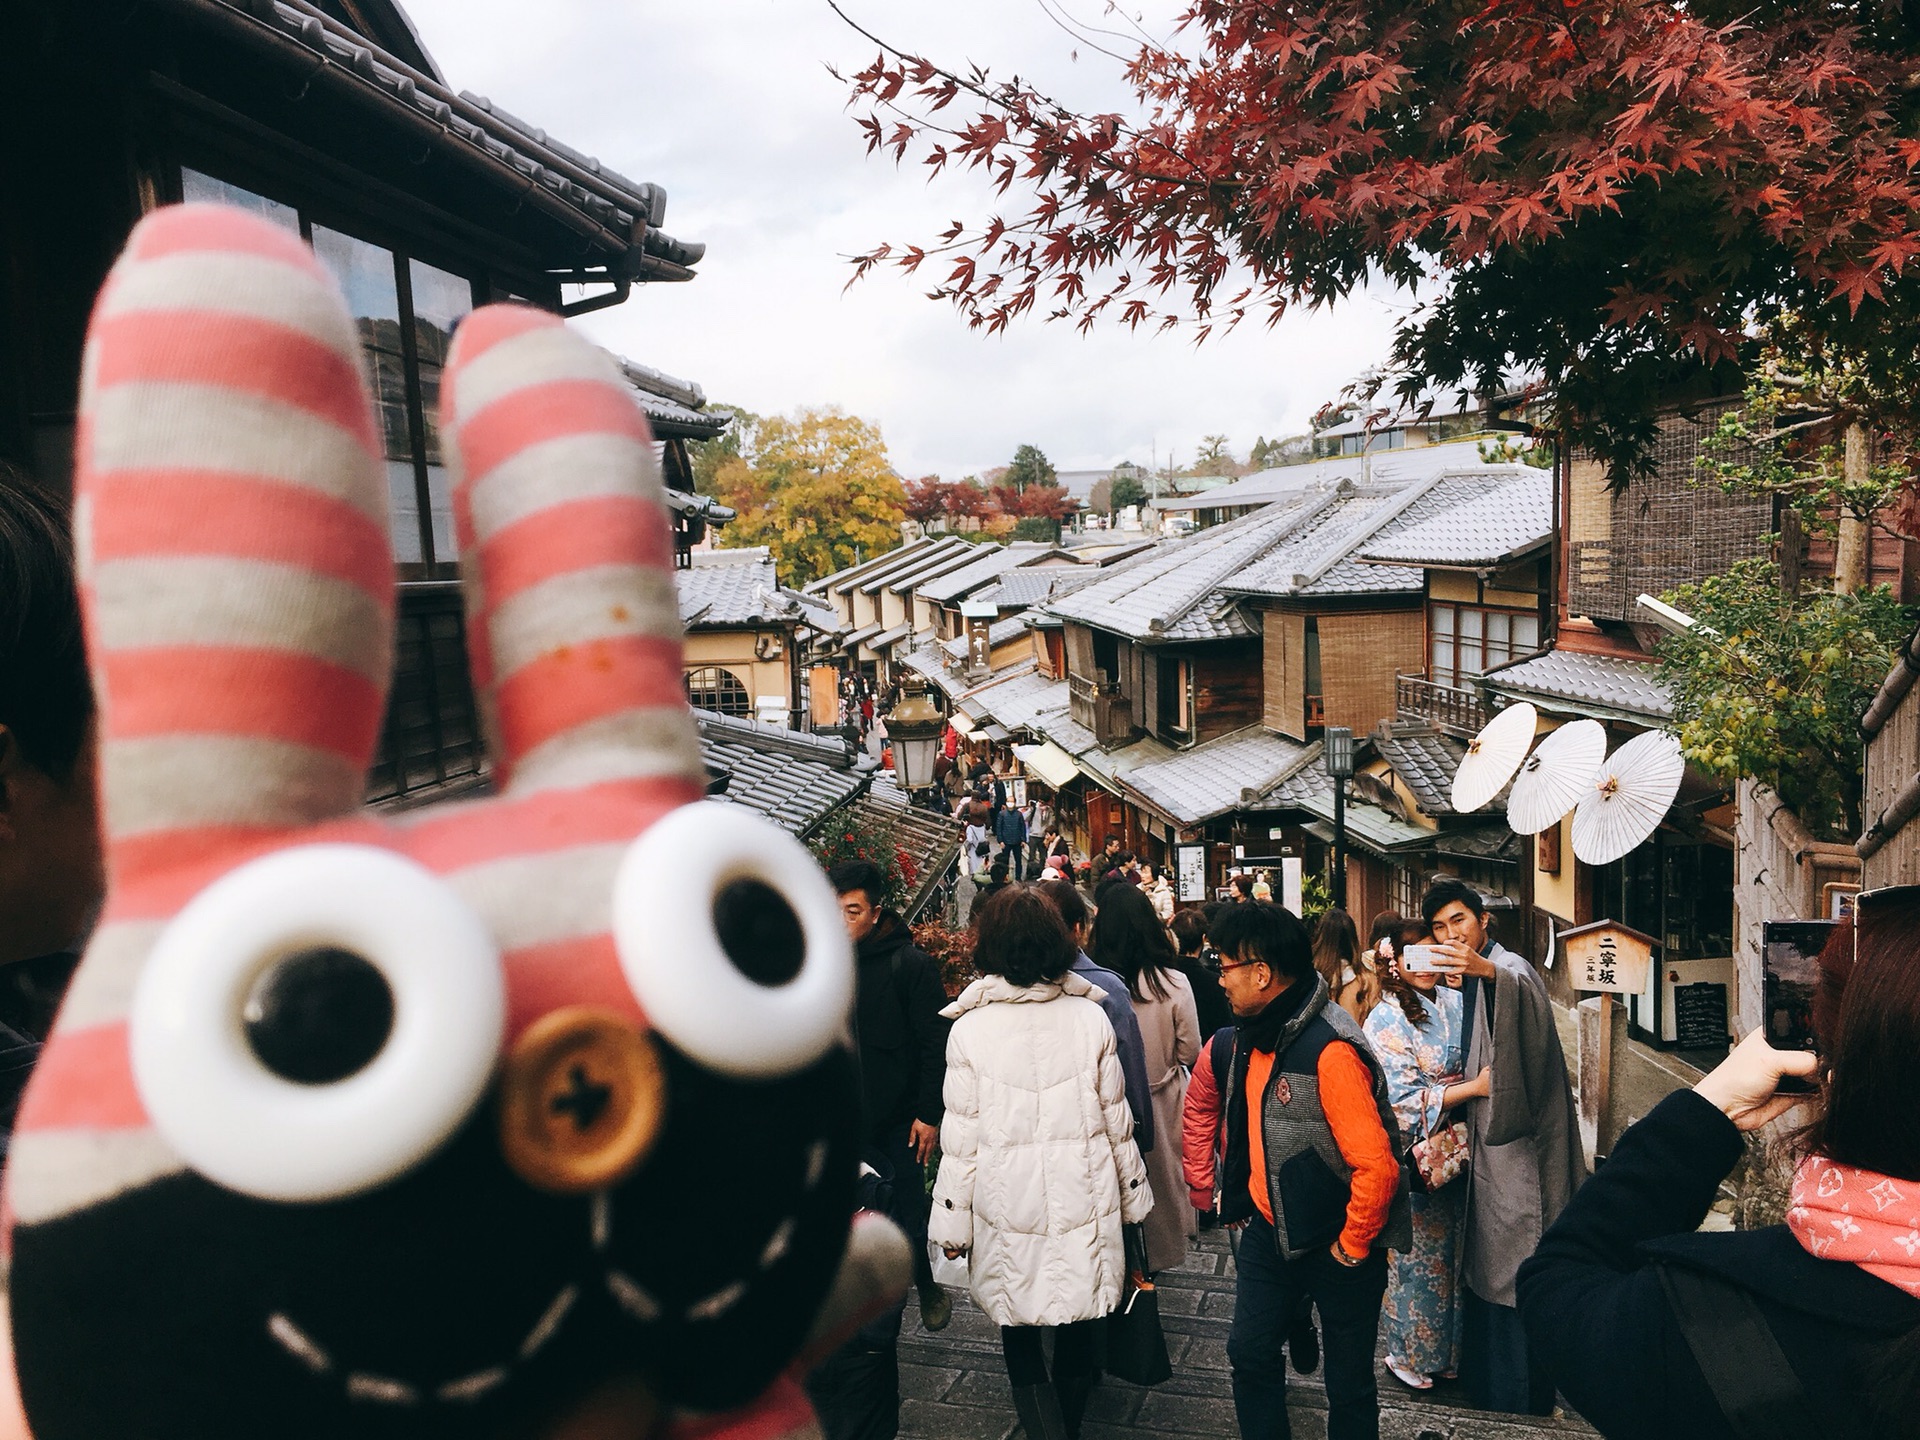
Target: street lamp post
x=1338 y=756
x=914 y=729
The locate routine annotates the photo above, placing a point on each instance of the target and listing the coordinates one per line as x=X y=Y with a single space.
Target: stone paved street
x=954 y=1386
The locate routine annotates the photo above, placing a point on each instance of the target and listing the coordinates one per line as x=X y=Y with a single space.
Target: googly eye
x=732 y=941
x=316 y=1022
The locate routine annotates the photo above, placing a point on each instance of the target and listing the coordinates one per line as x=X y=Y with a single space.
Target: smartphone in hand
x=1425 y=960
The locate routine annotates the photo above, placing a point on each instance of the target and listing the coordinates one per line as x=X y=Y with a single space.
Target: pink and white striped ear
x=231 y=526
x=574 y=625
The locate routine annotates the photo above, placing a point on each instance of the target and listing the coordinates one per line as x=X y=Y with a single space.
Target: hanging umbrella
x=1554 y=777
x=1629 y=798
x=1492 y=757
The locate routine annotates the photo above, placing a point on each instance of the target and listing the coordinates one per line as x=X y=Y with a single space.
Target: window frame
x=402 y=253
x=1456 y=641
x=687 y=682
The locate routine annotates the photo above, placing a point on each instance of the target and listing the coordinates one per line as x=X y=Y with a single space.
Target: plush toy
x=437 y=1127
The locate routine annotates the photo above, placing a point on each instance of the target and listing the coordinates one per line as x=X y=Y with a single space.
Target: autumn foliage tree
x=816 y=488
x=1598 y=197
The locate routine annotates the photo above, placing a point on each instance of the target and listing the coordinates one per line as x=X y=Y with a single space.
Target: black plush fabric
x=442 y=1275
x=1597 y=1318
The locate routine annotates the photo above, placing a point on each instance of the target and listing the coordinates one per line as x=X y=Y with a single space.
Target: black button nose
x=317 y=1016
x=759 y=931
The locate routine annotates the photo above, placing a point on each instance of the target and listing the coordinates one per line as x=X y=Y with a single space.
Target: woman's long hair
x=1336 y=943
x=1866 y=1020
x=1130 y=940
x=1402 y=933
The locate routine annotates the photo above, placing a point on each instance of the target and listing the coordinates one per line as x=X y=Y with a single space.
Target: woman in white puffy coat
x=1038 y=1169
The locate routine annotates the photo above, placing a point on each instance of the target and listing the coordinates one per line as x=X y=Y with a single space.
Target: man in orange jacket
x=1311 y=1167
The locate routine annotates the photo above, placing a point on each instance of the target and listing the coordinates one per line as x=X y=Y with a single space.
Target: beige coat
x=1038 y=1168
x=1170 y=1036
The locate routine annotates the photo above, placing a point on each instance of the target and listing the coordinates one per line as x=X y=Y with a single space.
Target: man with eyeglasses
x=1311 y=1168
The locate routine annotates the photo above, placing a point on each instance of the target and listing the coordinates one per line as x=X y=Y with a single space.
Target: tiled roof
x=1426 y=762
x=1062 y=729
x=1387 y=467
x=1322 y=558
x=614 y=216
x=886 y=639
x=1194 y=785
x=794 y=779
x=997 y=561
x=1032 y=584
x=1171 y=591
x=1500 y=525
x=895 y=563
x=1372 y=828
x=1573 y=682
x=1109 y=765
x=845 y=579
x=930 y=840
x=675 y=407
x=733 y=587
x=1016 y=698
x=815 y=612
x=999 y=633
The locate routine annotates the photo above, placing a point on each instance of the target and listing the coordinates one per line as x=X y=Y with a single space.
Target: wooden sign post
x=1613 y=959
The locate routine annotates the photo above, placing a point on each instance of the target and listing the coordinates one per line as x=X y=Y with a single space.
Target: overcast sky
x=728 y=104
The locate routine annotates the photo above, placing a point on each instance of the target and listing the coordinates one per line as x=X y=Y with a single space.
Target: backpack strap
x=1744 y=1366
x=1222 y=1053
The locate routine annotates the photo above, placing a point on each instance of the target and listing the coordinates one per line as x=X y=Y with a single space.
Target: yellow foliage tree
x=816 y=489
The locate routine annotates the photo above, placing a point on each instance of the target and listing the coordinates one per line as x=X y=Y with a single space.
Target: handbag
x=1136 y=1345
x=1440 y=1158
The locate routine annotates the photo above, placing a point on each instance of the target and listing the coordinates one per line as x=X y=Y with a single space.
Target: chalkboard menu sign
x=1700 y=1016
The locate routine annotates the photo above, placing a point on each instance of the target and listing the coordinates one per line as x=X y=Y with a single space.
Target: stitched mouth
x=631 y=1297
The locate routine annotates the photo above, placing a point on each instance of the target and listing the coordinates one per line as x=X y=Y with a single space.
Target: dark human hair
x=46 y=699
x=1018 y=933
x=1189 y=930
x=1866 y=1021
x=1336 y=942
x=1067 y=900
x=1386 y=926
x=862 y=875
x=1402 y=933
x=1444 y=891
x=1268 y=932
x=1243 y=884
x=1129 y=940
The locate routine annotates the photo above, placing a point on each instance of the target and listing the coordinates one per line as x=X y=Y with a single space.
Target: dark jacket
x=1308 y=1181
x=1010 y=827
x=903 y=1040
x=1598 y=1319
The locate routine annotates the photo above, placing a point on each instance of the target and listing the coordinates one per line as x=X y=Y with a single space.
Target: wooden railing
x=1101 y=707
x=1451 y=708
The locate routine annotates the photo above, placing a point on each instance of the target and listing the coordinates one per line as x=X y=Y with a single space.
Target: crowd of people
x=1116 y=1074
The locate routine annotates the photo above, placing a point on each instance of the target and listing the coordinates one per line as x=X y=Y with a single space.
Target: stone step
x=953 y=1383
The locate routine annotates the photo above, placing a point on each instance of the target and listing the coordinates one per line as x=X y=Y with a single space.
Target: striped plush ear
x=231 y=518
x=574 y=625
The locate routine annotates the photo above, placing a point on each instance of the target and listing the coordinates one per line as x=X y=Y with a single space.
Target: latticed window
x=712 y=688
x=1468 y=640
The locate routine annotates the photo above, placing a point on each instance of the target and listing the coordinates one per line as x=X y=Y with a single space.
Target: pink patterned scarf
x=1870 y=1220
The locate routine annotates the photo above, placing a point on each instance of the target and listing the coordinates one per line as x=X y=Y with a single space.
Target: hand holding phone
x=1425 y=960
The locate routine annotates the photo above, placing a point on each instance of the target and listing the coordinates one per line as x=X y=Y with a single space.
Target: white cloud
x=728 y=104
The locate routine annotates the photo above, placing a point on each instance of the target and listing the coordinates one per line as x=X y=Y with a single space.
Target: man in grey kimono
x=1527 y=1158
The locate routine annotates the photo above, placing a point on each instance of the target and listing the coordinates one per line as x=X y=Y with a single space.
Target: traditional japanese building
x=331 y=118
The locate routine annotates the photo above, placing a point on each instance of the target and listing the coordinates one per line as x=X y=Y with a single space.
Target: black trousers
x=909 y=1210
x=1077 y=1350
x=1499 y=1371
x=1266 y=1304
x=856 y=1392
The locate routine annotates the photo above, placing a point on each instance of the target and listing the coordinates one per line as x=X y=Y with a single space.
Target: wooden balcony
x=1452 y=709
x=1101 y=707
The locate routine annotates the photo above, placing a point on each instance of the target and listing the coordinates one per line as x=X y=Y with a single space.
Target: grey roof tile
x=1032 y=584
x=1497 y=525
x=733 y=587
x=1171 y=591
x=959 y=584
x=1573 y=682
x=792 y=778
x=1211 y=779
x=1383 y=467
x=999 y=633
x=1426 y=762
x=1374 y=829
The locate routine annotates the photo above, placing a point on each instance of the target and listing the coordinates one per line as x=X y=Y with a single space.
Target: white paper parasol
x=1554 y=777
x=1492 y=757
x=1629 y=798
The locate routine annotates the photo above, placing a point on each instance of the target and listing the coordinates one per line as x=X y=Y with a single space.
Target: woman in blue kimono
x=1416 y=1033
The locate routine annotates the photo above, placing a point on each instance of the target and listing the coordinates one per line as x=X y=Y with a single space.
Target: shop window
x=1468 y=640
x=712 y=688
